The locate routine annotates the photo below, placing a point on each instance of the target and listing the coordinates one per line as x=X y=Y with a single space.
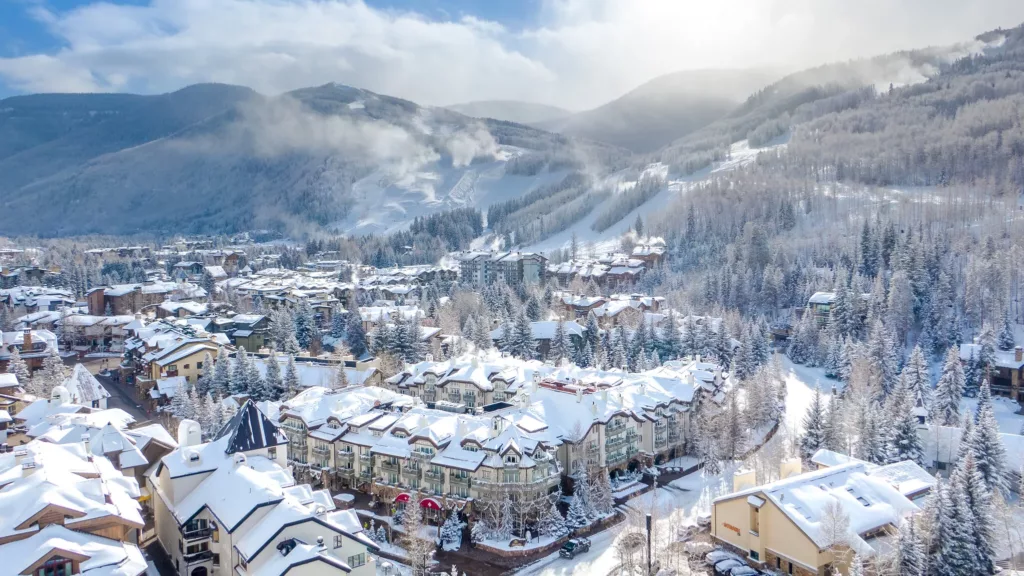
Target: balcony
x=321 y=449
x=366 y=458
x=366 y=474
x=345 y=472
x=660 y=440
x=434 y=474
x=614 y=430
x=462 y=480
x=615 y=442
x=411 y=471
x=198 y=534
x=198 y=557
x=389 y=466
x=345 y=455
x=615 y=458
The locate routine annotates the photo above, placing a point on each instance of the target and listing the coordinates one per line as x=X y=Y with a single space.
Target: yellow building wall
x=731 y=524
x=191 y=373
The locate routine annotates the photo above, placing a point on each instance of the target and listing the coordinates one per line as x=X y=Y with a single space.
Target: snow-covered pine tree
x=340 y=377
x=953 y=531
x=355 y=336
x=451 y=532
x=670 y=343
x=910 y=554
x=304 y=323
x=212 y=415
x=179 y=402
x=221 y=382
x=240 y=373
x=986 y=356
x=561 y=347
x=813 y=437
x=978 y=501
x=506 y=516
x=533 y=309
x=617 y=358
x=17 y=366
x=1005 y=339
x=834 y=431
x=841 y=312
x=523 y=344
x=987 y=446
x=205 y=380
x=949 y=390
x=916 y=380
x=291 y=377
x=193 y=405
x=338 y=325
x=904 y=441
x=856 y=566
x=508 y=336
x=275 y=386
x=551 y=522
x=577 y=516
x=601 y=499
x=723 y=345
x=382 y=535
x=482 y=334
x=258 y=387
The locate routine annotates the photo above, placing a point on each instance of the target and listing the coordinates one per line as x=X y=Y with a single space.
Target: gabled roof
x=250 y=429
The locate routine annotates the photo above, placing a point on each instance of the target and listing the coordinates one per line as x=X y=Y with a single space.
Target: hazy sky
x=571 y=53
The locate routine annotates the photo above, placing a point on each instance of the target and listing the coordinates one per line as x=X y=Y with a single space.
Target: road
x=121 y=396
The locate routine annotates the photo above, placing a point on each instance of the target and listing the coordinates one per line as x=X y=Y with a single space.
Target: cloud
x=580 y=53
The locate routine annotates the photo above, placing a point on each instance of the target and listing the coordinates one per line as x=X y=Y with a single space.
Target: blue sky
x=571 y=53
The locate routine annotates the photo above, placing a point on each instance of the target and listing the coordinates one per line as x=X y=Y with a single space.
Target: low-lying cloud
x=580 y=53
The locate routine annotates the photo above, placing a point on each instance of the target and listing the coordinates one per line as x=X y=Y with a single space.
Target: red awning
x=430 y=503
x=403 y=497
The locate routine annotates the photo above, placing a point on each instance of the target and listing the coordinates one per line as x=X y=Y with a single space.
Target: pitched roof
x=250 y=429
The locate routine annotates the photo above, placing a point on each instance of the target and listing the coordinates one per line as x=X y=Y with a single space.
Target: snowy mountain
x=511 y=111
x=664 y=109
x=223 y=158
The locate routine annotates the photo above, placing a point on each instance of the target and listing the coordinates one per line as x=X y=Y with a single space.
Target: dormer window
x=56 y=566
x=511 y=459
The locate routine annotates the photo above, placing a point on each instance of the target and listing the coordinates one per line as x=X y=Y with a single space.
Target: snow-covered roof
x=103 y=556
x=822 y=298
x=1004 y=358
x=864 y=493
x=83 y=387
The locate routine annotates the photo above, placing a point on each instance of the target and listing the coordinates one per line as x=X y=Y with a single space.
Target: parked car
x=744 y=570
x=573 y=547
x=724 y=567
x=716 y=556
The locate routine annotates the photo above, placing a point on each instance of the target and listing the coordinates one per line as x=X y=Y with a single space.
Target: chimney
x=26 y=345
x=189 y=433
x=790 y=467
x=1018 y=354
x=579 y=395
x=742 y=479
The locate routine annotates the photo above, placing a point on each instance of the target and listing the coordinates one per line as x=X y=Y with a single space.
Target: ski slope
x=740 y=154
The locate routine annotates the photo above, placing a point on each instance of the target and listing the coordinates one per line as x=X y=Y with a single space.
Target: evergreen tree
x=601 y=500
x=1005 y=338
x=904 y=443
x=482 y=335
x=17 y=366
x=813 y=437
x=949 y=390
x=987 y=446
x=842 y=313
x=338 y=325
x=593 y=331
x=551 y=522
x=53 y=373
x=986 y=356
x=355 y=336
x=856 y=566
x=834 y=433
x=240 y=383
x=451 y=532
x=953 y=531
x=977 y=499
x=723 y=345
x=205 y=381
x=291 y=377
x=561 y=347
x=275 y=386
x=533 y=309
x=910 y=559
x=340 y=377
x=617 y=358
x=916 y=380
x=179 y=402
x=305 y=324
x=221 y=381
x=577 y=516
x=523 y=345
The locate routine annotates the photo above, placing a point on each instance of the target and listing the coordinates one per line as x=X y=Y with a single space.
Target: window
x=790 y=567
x=186 y=366
x=272 y=452
x=216 y=559
x=56 y=566
x=172 y=368
x=199 y=365
x=755 y=556
x=196 y=548
x=357 y=560
x=337 y=541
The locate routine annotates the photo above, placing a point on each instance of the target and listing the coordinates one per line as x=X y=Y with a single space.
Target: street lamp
x=648 y=545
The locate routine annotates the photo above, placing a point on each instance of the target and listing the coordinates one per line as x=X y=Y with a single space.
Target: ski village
x=197 y=410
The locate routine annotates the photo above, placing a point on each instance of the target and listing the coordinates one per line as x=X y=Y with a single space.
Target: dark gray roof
x=250 y=429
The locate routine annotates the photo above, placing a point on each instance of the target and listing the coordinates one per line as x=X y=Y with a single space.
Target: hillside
x=664 y=109
x=511 y=111
x=223 y=158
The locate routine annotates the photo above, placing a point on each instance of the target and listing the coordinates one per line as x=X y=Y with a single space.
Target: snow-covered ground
x=1005 y=410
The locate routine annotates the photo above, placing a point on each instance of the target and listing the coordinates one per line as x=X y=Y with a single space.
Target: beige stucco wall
x=777 y=532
